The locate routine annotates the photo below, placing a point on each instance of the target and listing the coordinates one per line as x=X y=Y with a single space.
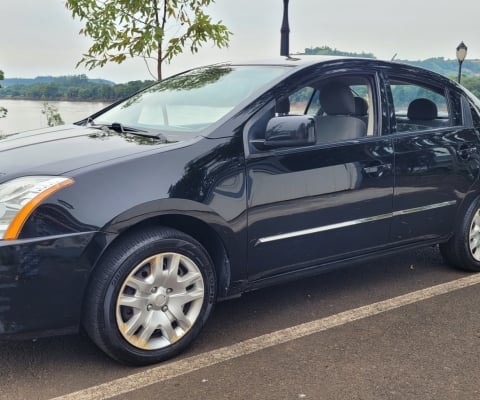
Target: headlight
x=19 y=198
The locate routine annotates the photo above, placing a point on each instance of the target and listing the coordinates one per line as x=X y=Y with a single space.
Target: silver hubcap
x=474 y=236
x=160 y=301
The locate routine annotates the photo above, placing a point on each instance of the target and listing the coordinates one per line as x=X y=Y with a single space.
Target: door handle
x=466 y=151
x=378 y=170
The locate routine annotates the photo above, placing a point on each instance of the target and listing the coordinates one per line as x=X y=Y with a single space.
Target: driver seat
x=340 y=122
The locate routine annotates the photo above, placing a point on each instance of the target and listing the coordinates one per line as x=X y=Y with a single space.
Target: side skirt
x=238 y=288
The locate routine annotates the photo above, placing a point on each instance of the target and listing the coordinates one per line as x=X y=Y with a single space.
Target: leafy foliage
x=472 y=83
x=51 y=113
x=446 y=67
x=3 y=111
x=152 y=29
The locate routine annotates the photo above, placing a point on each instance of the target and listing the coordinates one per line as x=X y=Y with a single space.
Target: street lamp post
x=461 y=54
x=285 y=32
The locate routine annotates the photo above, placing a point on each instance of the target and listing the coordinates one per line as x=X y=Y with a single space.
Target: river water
x=25 y=114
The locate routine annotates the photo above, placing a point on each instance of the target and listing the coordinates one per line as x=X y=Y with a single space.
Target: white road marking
x=175 y=369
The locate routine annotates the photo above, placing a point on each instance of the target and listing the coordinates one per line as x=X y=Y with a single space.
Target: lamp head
x=461 y=52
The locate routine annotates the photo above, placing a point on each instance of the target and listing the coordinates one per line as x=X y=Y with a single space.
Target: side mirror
x=290 y=131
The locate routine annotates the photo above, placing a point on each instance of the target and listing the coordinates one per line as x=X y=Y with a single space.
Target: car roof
x=292 y=61
x=301 y=61
x=298 y=61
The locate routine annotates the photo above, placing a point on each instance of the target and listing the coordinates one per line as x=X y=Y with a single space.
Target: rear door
x=433 y=156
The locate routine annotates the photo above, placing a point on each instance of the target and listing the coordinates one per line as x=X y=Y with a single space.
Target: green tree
x=153 y=29
x=51 y=113
x=328 y=51
x=472 y=83
x=3 y=111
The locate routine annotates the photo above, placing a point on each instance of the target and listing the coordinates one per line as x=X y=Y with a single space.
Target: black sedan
x=132 y=223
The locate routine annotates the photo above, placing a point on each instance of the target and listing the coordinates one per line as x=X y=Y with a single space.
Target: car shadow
x=285 y=305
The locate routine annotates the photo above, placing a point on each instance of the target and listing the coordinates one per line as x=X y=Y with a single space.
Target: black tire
x=165 y=254
x=459 y=251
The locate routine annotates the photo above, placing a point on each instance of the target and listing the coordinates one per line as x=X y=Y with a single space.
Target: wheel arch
x=469 y=198
x=193 y=226
x=204 y=234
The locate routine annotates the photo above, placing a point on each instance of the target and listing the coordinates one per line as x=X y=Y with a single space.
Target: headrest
x=422 y=109
x=282 y=106
x=337 y=99
x=361 y=106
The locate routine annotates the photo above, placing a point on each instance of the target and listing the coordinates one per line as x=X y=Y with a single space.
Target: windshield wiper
x=120 y=128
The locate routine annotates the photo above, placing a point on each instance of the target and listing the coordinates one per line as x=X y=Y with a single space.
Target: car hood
x=58 y=150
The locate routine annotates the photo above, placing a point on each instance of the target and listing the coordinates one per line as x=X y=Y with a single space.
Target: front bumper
x=42 y=282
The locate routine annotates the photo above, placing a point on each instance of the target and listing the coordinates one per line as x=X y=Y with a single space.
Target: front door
x=325 y=202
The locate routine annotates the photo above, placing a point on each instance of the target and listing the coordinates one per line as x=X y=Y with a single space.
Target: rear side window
x=418 y=107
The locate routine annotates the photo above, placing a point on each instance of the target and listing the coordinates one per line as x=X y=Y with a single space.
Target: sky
x=39 y=37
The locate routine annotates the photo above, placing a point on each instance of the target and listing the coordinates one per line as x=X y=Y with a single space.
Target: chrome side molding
x=345 y=224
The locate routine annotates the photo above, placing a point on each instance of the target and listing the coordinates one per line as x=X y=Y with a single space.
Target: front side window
x=342 y=107
x=418 y=107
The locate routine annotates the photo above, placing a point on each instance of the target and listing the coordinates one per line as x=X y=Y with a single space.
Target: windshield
x=192 y=101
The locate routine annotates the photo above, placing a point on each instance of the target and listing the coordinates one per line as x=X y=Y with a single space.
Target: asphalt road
x=429 y=349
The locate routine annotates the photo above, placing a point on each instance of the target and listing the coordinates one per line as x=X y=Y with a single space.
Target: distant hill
x=56 y=79
x=446 y=67
x=328 y=51
x=72 y=88
x=440 y=65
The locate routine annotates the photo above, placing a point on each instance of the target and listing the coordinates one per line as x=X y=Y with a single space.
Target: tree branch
x=148 y=67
